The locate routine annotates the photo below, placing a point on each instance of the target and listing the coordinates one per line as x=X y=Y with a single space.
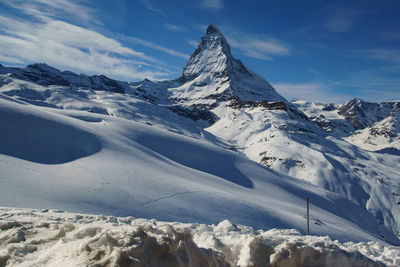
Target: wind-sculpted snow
x=54 y=238
x=32 y=136
x=196 y=155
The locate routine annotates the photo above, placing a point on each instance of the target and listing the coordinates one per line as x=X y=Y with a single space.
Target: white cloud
x=201 y=27
x=380 y=95
x=339 y=24
x=312 y=91
x=61 y=9
x=150 y=7
x=193 y=43
x=148 y=44
x=212 y=4
x=175 y=28
x=11 y=60
x=67 y=46
x=381 y=54
x=253 y=45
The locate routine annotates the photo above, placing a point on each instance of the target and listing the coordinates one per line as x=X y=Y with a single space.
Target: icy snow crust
x=55 y=238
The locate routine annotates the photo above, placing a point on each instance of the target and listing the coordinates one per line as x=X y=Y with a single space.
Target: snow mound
x=36 y=137
x=54 y=238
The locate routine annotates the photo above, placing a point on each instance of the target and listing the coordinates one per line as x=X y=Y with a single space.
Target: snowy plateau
x=210 y=169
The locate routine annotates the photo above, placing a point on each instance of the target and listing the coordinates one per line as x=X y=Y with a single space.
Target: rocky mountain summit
x=212 y=72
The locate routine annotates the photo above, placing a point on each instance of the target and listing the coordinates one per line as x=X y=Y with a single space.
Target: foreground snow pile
x=53 y=238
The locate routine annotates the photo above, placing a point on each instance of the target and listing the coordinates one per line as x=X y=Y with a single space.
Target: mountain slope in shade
x=227 y=107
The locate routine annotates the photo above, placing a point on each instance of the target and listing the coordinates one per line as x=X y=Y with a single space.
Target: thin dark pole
x=308 y=215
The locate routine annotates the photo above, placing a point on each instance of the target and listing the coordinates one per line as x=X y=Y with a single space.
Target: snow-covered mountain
x=372 y=126
x=212 y=72
x=382 y=135
x=45 y=75
x=173 y=149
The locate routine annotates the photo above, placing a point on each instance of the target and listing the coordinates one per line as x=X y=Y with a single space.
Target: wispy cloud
x=193 y=43
x=339 y=24
x=67 y=46
x=253 y=45
x=312 y=91
x=392 y=35
x=385 y=54
x=212 y=4
x=43 y=9
x=341 y=16
x=151 y=45
x=44 y=35
x=381 y=95
x=175 y=28
x=201 y=27
x=150 y=7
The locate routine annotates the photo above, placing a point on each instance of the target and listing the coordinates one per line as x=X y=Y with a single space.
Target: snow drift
x=54 y=238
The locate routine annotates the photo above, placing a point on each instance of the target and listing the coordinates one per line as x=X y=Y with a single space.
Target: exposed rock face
x=362 y=114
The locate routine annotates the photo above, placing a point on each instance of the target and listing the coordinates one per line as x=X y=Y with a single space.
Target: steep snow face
x=212 y=72
x=212 y=56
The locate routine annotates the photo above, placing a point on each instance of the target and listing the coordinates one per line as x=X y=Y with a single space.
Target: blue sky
x=326 y=51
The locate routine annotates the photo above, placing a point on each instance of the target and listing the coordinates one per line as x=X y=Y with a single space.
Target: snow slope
x=142 y=170
x=173 y=149
x=55 y=238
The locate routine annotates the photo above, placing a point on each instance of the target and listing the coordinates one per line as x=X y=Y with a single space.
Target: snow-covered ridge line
x=43 y=74
x=55 y=238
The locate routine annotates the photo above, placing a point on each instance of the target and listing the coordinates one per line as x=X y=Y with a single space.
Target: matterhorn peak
x=212 y=63
x=211 y=56
x=211 y=29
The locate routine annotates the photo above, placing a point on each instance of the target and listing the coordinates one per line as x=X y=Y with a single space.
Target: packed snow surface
x=54 y=238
